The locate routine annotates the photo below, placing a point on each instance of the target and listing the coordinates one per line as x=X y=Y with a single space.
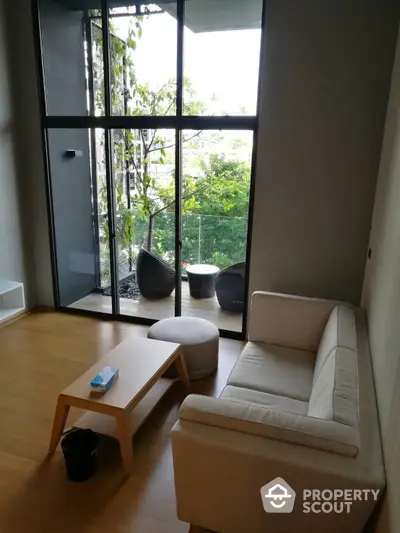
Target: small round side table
x=201 y=280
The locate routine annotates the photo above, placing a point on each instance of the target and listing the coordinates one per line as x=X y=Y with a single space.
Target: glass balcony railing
x=215 y=240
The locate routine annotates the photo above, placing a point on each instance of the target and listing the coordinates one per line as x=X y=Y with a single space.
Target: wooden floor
x=207 y=308
x=40 y=355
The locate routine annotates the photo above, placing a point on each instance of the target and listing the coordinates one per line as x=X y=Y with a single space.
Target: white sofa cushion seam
x=341 y=389
x=267 y=409
x=289 y=429
x=334 y=389
x=333 y=349
x=322 y=438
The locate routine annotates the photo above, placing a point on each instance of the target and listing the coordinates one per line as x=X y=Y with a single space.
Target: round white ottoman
x=200 y=341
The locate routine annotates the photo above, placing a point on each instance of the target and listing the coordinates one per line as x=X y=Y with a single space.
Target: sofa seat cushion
x=275 y=370
x=264 y=399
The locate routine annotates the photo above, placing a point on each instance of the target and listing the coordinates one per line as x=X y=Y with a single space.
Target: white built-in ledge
x=12 y=300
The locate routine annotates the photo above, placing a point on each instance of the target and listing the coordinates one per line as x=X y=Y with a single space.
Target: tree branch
x=172 y=145
x=169 y=107
x=152 y=140
x=144 y=142
x=164 y=87
x=155 y=131
x=199 y=189
x=132 y=159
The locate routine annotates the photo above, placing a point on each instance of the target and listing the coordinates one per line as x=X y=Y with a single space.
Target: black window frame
x=108 y=123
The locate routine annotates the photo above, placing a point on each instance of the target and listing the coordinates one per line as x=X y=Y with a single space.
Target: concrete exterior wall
x=71 y=188
x=64 y=66
x=63 y=59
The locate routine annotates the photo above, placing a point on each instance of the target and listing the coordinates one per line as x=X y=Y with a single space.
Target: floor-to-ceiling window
x=149 y=121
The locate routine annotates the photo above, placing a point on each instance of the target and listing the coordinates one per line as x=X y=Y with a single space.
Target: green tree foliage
x=135 y=150
x=224 y=189
x=215 y=216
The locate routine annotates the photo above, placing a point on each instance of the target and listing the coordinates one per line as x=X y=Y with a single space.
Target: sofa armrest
x=255 y=420
x=285 y=320
x=219 y=472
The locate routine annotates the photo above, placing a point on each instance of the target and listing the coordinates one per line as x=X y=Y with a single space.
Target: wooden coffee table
x=121 y=410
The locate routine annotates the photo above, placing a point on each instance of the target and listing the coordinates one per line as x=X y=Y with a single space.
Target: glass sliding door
x=149 y=112
x=221 y=67
x=144 y=177
x=143 y=52
x=215 y=207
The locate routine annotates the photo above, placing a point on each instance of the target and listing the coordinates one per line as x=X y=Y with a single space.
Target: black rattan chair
x=155 y=278
x=230 y=286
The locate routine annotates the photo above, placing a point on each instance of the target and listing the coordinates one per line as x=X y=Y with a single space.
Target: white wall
x=381 y=297
x=326 y=78
x=15 y=250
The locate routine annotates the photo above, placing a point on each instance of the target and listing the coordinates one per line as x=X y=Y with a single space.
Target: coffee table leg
x=60 y=418
x=125 y=441
x=182 y=370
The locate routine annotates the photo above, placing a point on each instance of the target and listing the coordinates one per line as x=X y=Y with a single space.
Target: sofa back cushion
x=340 y=331
x=334 y=394
x=286 y=320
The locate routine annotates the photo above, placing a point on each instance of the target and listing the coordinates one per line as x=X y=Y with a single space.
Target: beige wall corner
x=28 y=146
x=325 y=84
x=381 y=297
x=16 y=253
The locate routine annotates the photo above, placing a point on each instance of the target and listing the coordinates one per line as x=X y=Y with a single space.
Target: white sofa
x=300 y=405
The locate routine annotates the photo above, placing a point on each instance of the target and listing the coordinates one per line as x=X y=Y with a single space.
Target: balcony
x=206 y=239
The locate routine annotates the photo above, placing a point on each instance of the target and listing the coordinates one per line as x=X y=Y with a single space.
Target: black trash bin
x=80 y=453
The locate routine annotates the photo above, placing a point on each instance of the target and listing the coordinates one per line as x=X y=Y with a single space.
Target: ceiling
x=219 y=15
x=200 y=15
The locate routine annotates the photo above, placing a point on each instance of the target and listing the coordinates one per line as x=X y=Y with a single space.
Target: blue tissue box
x=104 y=379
